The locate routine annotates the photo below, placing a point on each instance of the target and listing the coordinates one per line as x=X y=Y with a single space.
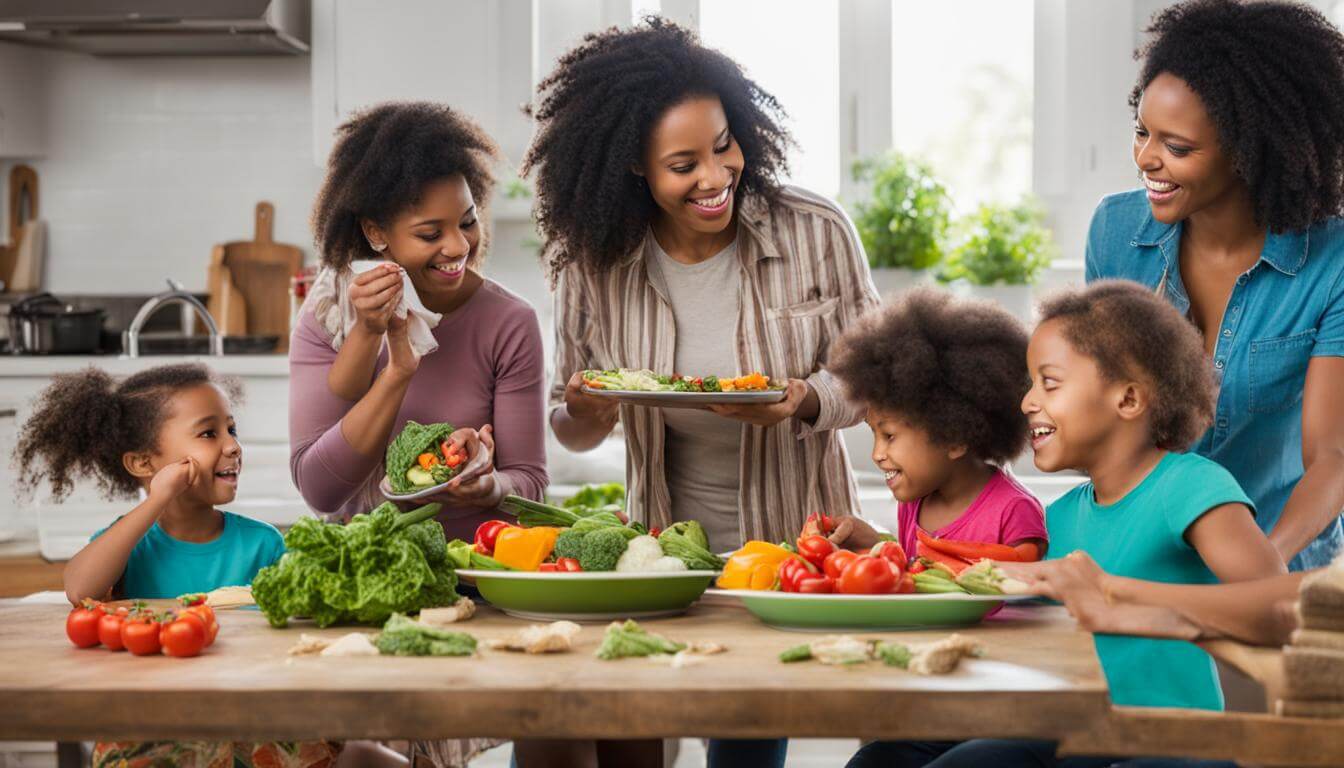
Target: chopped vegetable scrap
x=556 y=637
x=462 y=610
x=628 y=639
x=403 y=636
x=352 y=644
x=626 y=380
x=938 y=658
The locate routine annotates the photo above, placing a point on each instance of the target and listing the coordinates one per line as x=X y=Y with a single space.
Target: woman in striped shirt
x=673 y=247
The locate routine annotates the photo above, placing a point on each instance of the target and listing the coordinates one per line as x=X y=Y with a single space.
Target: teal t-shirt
x=161 y=566
x=1142 y=536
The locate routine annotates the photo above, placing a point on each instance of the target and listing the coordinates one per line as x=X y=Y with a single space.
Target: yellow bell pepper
x=525 y=549
x=754 y=566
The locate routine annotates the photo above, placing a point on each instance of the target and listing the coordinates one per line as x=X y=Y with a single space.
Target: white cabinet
x=474 y=55
x=23 y=101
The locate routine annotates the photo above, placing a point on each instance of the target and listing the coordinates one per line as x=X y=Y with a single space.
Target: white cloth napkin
x=330 y=298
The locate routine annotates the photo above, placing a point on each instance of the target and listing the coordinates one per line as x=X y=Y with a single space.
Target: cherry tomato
x=836 y=562
x=568 y=565
x=891 y=552
x=906 y=586
x=140 y=634
x=916 y=567
x=815 y=548
x=548 y=568
x=207 y=615
x=816 y=584
x=81 y=626
x=183 y=636
x=867 y=576
x=793 y=570
x=109 y=630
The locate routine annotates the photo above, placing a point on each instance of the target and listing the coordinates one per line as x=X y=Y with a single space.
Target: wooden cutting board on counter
x=249 y=282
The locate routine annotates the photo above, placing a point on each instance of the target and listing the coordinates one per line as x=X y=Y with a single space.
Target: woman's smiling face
x=1177 y=151
x=692 y=165
x=435 y=240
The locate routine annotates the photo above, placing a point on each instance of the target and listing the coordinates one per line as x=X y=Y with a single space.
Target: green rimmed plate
x=830 y=613
x=595 y=596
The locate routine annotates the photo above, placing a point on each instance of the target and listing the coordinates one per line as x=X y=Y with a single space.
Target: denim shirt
x=1283 y=311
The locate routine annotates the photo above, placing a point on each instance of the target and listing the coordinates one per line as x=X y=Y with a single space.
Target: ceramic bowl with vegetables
x=586 y=563
x=423 y=460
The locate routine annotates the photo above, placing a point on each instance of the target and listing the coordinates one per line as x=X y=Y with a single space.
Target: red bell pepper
x=792 y=572
x=971 y=551
x=817 y=584
x=486 y=535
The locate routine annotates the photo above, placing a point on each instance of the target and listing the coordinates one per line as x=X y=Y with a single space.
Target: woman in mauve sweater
x=405 y=185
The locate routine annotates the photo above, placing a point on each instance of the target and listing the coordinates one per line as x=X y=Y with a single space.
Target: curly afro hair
x=383 y=159
x=84 y=422
x=595 y=113
x=1271 y=75
x=954 y=368
x=1134 y=335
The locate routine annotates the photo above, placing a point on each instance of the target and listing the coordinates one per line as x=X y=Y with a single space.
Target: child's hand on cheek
x=169 y=483
x=853 y=533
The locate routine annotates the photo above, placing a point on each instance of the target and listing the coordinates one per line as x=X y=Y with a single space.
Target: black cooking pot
x=44 y=325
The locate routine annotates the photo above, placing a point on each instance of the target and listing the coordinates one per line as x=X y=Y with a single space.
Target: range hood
x=160 y=27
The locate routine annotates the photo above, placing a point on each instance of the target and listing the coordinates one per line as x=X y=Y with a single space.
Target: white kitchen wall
x=151 y=161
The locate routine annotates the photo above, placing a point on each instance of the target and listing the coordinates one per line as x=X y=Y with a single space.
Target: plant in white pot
x=999 y=254
x=902 y=221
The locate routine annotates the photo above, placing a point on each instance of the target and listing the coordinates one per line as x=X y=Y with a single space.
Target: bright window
x=791 y=49
x=962 y=94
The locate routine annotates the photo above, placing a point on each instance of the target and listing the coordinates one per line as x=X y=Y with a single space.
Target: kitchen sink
x=177 y=344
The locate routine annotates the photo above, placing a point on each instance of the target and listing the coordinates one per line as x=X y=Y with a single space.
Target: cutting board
x=20 y=257
x=249 y=282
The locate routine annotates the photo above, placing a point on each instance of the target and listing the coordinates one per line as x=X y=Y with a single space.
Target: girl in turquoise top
x=166 y=432
x=1119 y=387
x=1237 y=139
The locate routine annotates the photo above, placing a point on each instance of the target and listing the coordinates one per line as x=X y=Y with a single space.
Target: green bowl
x=792 y=610
x=595 y=596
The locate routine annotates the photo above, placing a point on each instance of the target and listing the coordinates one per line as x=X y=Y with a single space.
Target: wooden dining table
x=1039 y=678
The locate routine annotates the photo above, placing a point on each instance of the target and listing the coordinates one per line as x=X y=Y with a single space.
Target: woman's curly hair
x=1271 y=75
x=1133 y=335
x=954 y=368
x=383 y=159
x=84 y=422
x=595 y=112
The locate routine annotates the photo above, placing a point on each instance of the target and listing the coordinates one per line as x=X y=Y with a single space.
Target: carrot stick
x=970 y=550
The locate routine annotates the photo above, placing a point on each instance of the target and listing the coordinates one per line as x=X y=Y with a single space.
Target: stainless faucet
x=176 y=294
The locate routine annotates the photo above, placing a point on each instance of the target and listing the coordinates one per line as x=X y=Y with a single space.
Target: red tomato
x=183 y=636
x=837 y=561
x=867 y=576
x=891 y=552
x=548 y=568
x=140 y=634
x=568 y=565
x=916 y=567
x=109 y=630
x=81 y=626
x=792 y=571
x=816 y=584
x=815 y=548
x=906 y=586
x=207 y=615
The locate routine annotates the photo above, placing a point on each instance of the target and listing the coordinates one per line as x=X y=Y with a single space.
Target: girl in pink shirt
x=942 y=380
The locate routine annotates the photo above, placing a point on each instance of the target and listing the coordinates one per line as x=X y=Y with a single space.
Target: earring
x=379 y=247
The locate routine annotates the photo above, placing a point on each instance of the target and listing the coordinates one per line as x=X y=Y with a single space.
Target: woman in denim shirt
x=1239 y=138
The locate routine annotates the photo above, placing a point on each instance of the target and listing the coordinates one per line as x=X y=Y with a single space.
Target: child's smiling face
x=200 y=425
x=1071 y=408
x=912 y=464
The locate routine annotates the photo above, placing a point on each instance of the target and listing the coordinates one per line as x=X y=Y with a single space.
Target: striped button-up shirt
x=804 y=280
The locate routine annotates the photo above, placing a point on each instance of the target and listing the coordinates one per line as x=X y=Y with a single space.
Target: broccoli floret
x=711 y=384
x=680 y=385
x=569 y=544
x=602 y=548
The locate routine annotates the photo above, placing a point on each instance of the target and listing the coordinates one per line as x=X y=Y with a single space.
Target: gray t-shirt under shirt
x=702 y=448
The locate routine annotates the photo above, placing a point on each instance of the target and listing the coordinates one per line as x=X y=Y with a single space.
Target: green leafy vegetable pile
x=380 y=563
x=414 y=440
x=402 y=636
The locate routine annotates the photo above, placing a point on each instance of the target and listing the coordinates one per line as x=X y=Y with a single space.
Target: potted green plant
x=999 y=253
x=903 y=219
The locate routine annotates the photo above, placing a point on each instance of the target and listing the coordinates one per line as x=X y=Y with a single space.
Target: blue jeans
x=747 y=753
x=1002 y=753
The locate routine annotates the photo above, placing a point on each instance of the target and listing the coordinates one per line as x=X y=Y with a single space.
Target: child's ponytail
x=85 y=422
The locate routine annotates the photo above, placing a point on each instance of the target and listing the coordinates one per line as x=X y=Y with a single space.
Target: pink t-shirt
x=1003 y=513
